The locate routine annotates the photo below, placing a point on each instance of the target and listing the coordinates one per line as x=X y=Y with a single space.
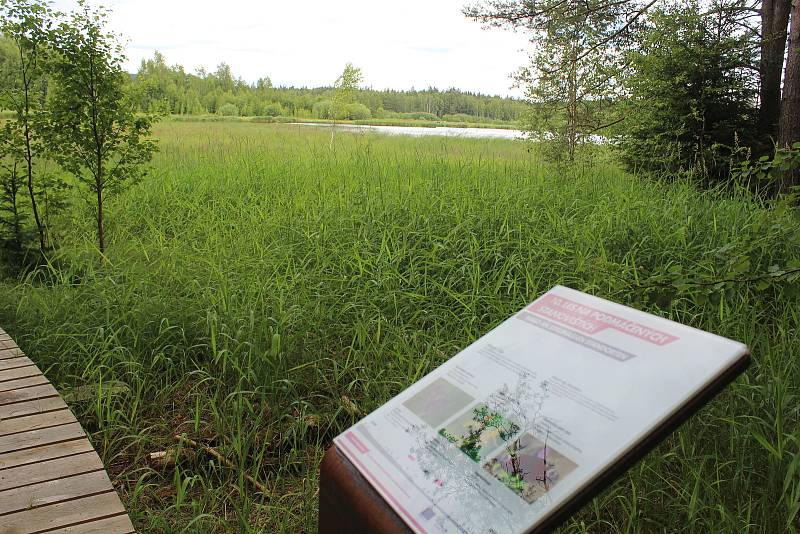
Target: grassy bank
x=368 y=122
x=264 y=291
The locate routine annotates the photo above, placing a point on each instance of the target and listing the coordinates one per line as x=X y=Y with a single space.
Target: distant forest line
x=163 y=88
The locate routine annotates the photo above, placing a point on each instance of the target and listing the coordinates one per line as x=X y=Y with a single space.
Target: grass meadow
x=265 y=289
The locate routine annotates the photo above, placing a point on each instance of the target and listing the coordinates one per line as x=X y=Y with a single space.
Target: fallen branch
x=213 y=452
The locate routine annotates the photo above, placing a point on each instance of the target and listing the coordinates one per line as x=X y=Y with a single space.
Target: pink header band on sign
x=591 y=320
x=357 y=443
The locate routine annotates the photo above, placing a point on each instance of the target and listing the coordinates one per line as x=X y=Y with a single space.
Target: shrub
x=273 y=109
x=229 y=110
x=420 y=115
x=460 y=117
x=355 y=112
x=322 y=109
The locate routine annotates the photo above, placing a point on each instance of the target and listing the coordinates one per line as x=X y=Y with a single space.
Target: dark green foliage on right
x=692 y=104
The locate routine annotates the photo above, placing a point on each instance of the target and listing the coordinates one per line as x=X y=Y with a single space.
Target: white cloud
x=307 y=42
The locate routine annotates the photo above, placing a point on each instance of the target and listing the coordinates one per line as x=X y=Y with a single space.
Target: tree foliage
x=692 y=89
x=572 y=76
x=345 y=89
x=159 y=87
x=95 y=133
x=26 y=26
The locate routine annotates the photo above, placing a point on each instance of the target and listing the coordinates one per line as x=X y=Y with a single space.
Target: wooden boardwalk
x=51 y=479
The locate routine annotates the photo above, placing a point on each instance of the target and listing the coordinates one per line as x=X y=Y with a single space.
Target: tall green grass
x=265 y=290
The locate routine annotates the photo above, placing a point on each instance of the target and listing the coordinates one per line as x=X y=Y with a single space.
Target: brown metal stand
x=349 y=504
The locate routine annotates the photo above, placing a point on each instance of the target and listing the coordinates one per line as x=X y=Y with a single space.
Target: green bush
x=461 y=117
x=420 y=116
x=322 y=109
x=229 y=110
x=354 y=112
x=273 y=109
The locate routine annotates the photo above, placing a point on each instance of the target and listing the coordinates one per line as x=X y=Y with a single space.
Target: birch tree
x=95 y=133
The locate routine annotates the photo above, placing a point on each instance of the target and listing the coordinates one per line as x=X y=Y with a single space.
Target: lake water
x=419 y=131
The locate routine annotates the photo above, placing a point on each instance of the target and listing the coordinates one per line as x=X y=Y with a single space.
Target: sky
x=397 y=44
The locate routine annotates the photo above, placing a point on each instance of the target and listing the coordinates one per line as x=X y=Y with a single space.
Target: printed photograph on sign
x=480 y=431
x=438 y=402
x=529 y=467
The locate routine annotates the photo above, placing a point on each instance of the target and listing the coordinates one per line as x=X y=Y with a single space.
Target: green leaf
x=742 y=266
x=766 y=444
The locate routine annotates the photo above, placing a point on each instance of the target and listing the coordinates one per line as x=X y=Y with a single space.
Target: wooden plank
x=36 y=422
x=61 y=449
x=26 y=475
x=13 y=363
x=51 y=478
x=37 y=438
x=53 y=491
x=19 y=372
x=20 y=395
x=63 y=514
x=21 y=409
x=21 y=383
x=120 y=524
x=7 y=354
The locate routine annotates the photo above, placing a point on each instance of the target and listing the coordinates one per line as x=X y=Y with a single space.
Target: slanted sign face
x=514 y=428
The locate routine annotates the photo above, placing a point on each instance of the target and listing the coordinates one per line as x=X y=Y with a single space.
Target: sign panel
x=536 y=414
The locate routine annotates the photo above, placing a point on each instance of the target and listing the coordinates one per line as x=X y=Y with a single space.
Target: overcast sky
x=397 y=44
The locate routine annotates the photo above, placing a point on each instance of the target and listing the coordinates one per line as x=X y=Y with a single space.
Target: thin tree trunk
x=26 y=81
x=99 y=178
x=31 y=191
x=99 y=184
x=789 y=127
x=774 y=23
x=101 y=236
x=572 y=105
